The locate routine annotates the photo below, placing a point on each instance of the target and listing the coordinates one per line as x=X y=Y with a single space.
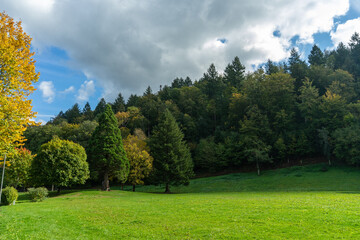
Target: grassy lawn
x=295 y=203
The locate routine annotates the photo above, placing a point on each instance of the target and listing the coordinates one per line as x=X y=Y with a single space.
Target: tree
x=87 y=112
x=172 y=159
x=106 y=153
x=255 y=150
x=60 y=162
x=19 y=169
x=17 y=74
x=234 y=73
x=140 y=160
x=100 y=108
x=119 y=104
x=346 y=144
x=271 y=67
x=297 y=68
x=73 y=114
x=316 y=56
x=209 y=156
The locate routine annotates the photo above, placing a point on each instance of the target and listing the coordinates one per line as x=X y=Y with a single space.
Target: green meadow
x=311 y=202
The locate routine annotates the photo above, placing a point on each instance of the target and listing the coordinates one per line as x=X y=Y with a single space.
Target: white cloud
x=86 y=90
x=344 y=31
x=48 y=91
x=128 y=45
x=70 y=89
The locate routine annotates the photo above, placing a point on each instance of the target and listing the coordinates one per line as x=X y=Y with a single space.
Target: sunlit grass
x=297 y=203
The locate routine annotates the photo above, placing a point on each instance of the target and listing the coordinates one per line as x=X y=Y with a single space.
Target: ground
x=313 y=202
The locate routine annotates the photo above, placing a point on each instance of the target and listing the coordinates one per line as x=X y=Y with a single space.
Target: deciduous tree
x=17 y=74
x=60 y=162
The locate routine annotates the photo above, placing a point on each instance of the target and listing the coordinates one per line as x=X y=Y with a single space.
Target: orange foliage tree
x=17 y=74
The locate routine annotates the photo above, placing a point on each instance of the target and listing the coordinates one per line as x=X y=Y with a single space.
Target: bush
x=38 y=194
x=9 y=196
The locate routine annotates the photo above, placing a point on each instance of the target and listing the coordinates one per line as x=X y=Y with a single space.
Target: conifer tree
x=87 y=112
x=100 y=108
x=172 y=160
x=119 y=104
x=106 y=153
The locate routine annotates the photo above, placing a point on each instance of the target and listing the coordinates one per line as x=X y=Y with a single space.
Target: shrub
x=38 y=194
x=9 y=196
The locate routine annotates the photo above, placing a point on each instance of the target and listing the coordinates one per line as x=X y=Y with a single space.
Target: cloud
x=344 y=31
x=70 y=89
x=48 y=91
x=86 y=90
x=128 y=45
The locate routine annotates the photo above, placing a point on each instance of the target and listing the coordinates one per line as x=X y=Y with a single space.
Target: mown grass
x=294 y=203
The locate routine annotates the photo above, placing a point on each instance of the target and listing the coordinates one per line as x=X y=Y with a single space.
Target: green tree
x=61 y=163
x=119 y=104
x=234 y=73
x=18 y=173
x=346 y=144
x=106 y=153
x=297 y=68
x=316 y=56
x=209 y=156
x=172 y=159
x=100 y=108
x=87 y=112
x=73 y=114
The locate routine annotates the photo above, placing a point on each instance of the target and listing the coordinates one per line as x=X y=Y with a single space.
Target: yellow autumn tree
x=17 y=74
x=139 y=158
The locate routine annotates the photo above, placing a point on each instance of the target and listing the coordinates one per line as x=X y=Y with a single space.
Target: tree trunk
x=52 y=187
x=133 y=188
x=58 y=189
x=167 y=188
x=258 y=168
x=105 y=183
x=122 y=186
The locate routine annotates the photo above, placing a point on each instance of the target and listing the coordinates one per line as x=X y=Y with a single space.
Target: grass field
x=295 y=203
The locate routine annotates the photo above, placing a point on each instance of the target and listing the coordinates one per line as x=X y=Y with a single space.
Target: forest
x=282 y=113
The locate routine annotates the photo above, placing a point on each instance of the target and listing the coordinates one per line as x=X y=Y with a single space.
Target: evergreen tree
x=316 y=56
x=148 y=91
x=271 y=67
x=297 y=68
x=172 y=160
x=133 y=101
x=234 y=73
x=119 y=104
x=73 y=114
x=106 y=153
x=87 y=112
x=100 y=108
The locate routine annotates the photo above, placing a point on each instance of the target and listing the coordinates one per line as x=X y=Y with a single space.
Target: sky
x=89 y=49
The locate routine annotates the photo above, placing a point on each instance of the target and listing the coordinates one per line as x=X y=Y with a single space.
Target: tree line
x=282 y=112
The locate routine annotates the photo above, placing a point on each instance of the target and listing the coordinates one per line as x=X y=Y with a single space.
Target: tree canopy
x=17 y=76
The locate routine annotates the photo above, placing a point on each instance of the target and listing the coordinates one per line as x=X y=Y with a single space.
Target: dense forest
x=280 y=113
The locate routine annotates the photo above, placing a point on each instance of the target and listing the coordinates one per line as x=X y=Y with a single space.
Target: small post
x=2 y=178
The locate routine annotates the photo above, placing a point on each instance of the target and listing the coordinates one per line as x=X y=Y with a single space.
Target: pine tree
x=172 y=160
x=106 y=153
x=234 y=73
x=100 y=108
x=87 y=112
x=119 y=104
x=73 y=114
x=316 y=56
